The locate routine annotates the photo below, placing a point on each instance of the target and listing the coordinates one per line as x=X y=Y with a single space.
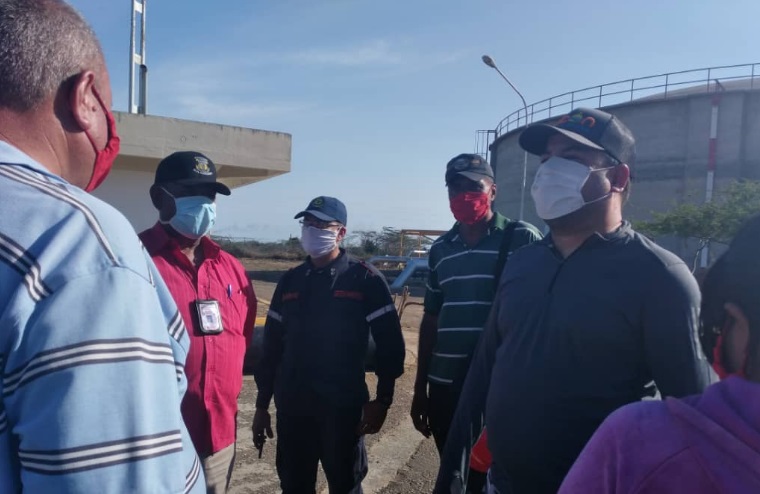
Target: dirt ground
x=400 y=460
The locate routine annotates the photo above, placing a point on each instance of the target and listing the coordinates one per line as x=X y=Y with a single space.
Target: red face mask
x=104 y=158
x=718 y=365
x=470 y=207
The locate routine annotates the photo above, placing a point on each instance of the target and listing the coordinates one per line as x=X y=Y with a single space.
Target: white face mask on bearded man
x=556 y=190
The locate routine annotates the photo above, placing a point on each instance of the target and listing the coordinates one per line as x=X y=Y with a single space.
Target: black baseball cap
x=471 y=166
x=593 y=128
x=326 y=209
x=189 y=168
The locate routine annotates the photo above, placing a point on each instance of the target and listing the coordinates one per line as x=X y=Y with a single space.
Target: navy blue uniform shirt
x=316 y=335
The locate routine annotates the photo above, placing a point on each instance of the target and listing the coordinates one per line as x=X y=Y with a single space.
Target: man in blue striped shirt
x=92 y=347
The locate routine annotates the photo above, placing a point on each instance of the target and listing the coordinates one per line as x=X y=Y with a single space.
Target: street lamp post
x=489 y=61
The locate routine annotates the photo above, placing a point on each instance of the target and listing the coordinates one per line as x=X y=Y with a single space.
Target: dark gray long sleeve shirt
x=568 y=341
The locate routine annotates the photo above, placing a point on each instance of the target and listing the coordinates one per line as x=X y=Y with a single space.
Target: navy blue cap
x=593 y=128
x=326 y=209
x=189 y=168
x=471 y=166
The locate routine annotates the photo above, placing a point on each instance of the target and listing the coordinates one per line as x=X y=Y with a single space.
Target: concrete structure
x=674 y=147
x=242 y=156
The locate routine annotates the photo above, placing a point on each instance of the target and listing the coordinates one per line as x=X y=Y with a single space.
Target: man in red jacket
x=216 y=301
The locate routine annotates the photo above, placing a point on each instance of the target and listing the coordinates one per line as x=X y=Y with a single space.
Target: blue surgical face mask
x=194 y=216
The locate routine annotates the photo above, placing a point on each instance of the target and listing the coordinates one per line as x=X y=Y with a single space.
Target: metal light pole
x=489 y=61
x=138 y=71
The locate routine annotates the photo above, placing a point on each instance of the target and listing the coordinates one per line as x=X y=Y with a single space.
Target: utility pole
x=138 y=70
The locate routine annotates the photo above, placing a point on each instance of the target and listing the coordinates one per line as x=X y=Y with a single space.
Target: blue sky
x=380 y=95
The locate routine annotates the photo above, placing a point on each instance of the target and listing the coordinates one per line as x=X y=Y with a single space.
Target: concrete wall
x=242 y=156
x=127 y=191
x=672 y=149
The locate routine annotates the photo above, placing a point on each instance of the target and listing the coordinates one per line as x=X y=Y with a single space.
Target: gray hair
x=43 y=43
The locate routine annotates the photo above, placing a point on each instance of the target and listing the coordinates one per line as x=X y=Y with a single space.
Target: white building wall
x=128 y=191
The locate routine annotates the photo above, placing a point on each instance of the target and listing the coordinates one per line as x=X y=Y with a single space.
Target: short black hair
x=735 y=278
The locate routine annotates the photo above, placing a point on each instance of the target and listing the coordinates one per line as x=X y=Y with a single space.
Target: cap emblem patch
x=201 y=166
x=578 y=118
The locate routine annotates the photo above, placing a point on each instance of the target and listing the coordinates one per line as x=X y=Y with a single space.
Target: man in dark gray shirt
x=583 y=320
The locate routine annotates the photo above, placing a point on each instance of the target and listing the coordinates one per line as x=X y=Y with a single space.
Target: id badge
x=209 y=316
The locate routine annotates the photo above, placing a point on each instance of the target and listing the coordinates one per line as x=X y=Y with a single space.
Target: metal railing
x=660 y=86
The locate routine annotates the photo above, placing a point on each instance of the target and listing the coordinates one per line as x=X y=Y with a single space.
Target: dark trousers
x=327 y=436
x=442 y=404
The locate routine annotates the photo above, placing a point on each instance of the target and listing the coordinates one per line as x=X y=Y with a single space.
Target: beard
x=582 y=220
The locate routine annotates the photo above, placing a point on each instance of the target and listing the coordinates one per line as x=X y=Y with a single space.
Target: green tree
x=716 y=221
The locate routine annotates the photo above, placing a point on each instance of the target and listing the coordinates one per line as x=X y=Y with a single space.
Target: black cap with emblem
x=471 y=166
x=189 y=168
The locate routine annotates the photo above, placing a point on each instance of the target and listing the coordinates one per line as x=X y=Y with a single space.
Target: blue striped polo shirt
x=92 y=347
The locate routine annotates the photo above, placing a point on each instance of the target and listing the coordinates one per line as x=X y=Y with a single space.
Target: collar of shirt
x=337 y=266
x=156 y=239
x=11 y=155
x=497 y=222
x=624 y=231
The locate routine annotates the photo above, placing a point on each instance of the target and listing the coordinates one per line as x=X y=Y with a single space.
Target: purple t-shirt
x=708 y=443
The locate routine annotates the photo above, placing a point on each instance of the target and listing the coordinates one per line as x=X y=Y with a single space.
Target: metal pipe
x=712 y=159
x=143 y=106
x=132 y=58
x=490 y=62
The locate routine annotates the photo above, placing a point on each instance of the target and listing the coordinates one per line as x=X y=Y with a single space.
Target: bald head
x=43 y=43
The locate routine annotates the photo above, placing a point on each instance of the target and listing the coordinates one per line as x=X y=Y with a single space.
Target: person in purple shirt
x=708 y=443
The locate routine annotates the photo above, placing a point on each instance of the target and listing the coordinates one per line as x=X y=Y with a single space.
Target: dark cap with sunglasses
x=326 y=209
x=469 y=166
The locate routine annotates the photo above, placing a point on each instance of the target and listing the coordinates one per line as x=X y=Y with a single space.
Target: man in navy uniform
x=313 y=358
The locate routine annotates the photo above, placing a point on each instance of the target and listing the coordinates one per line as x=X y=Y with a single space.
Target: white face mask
x=556 y=190
x=316 y=242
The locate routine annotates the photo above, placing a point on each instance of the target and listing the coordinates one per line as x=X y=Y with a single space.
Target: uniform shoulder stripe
x=381 y=312
x=60 y=193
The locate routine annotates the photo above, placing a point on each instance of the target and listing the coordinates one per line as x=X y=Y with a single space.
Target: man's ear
x=82 y=102
x=341 y=234
x=156 y=196
x=620 y=177
x=493 y=192
x=737 y=339
x=737 y=316
x=163 y=202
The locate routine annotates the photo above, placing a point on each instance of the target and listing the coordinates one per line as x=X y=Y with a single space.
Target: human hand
x=373 y=417
x=262 y=424
x=419 y=412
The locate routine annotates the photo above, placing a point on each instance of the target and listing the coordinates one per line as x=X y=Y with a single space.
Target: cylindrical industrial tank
x=673 y=148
